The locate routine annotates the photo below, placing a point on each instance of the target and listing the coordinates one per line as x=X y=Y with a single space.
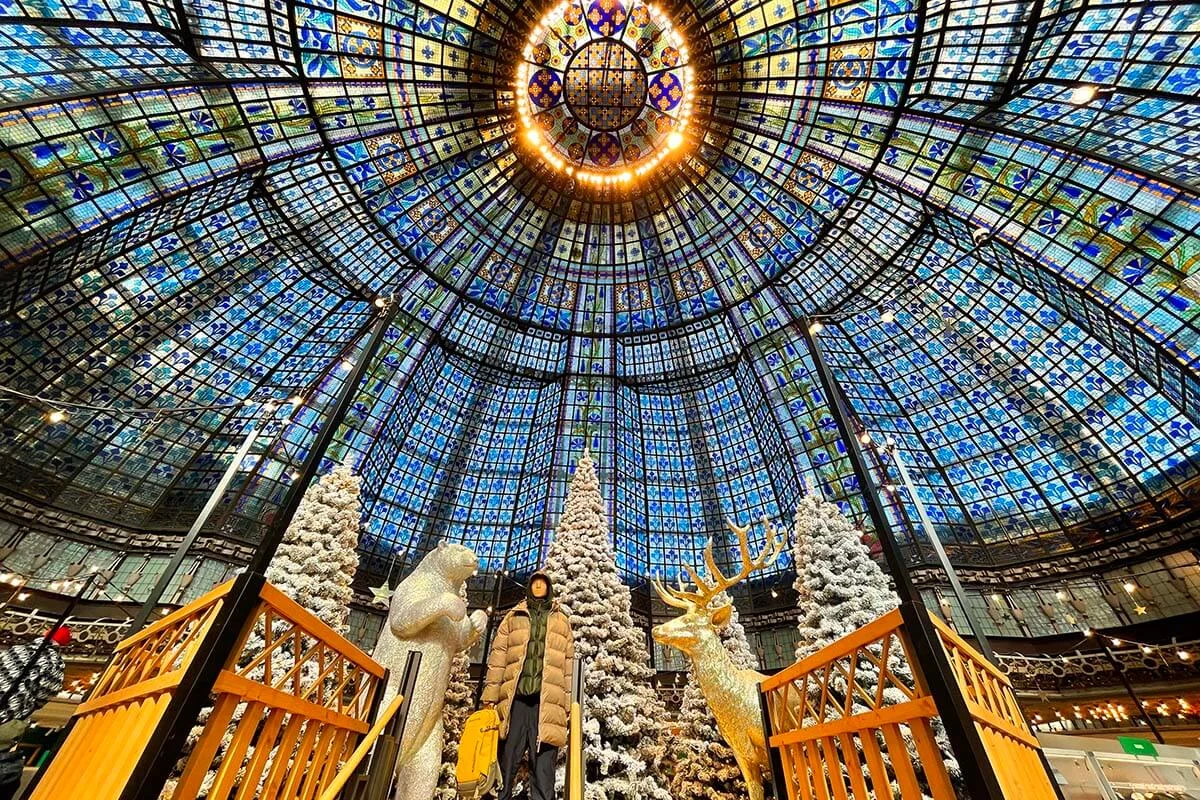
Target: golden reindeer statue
x=731 y=692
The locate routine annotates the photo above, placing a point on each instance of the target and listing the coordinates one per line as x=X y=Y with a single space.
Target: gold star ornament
x=382 y=594
x=1140 y=610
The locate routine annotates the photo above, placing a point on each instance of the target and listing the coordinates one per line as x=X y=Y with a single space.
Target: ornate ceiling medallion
x=604 y=90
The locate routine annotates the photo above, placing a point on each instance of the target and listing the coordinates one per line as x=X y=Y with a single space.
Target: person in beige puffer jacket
x=529 y=683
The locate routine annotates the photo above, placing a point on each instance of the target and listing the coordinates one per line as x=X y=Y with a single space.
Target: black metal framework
x=931 y=657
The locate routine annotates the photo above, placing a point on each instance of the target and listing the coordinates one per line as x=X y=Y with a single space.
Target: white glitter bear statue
x=427 y=614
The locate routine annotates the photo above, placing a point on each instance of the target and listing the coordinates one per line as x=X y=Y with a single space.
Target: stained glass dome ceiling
x=203 y=209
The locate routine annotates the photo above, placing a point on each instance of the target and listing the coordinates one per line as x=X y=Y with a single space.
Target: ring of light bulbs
x=623 y=174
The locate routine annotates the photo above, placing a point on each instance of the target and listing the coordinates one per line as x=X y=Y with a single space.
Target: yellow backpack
x=478 y=771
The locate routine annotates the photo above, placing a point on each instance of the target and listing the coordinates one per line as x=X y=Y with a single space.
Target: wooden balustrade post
x=158 y=758
x=932 y=665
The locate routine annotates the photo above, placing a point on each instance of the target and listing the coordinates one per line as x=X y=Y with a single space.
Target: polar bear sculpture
x=427 y=614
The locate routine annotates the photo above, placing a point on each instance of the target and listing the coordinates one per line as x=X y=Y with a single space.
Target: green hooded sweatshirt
x=530 y=680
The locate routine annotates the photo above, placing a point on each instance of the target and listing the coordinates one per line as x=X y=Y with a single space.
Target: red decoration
x=60 y=636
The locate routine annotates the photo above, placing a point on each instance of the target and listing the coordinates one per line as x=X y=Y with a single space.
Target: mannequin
x=528 y=682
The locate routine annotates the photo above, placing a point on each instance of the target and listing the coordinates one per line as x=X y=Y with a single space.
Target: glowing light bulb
x=346 y=364
x=56 y=415
x=865 y=437
x=816 y=327
x=674 y=139
x=1130 y=587
x=1083 y=94
x=1184 y=655
x=888 y=316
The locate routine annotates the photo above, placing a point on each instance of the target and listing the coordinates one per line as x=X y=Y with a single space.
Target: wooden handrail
x=204 y=600
x=339 y=781
x=306 y=621
x=831 y=652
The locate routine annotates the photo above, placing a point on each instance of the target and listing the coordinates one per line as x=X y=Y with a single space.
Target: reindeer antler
x=705 y=590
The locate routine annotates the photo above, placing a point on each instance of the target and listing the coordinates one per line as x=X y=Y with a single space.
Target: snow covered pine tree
x=623 y=712
x=841 y=588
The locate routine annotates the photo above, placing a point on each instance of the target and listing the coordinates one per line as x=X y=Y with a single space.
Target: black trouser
x=522 y=738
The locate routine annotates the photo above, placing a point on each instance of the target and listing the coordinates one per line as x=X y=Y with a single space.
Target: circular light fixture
x=604 y=90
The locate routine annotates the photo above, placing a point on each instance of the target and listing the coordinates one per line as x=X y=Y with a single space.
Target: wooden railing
x=291 y=702
x=113 y=726
x=1012 y=748
x=855 y=718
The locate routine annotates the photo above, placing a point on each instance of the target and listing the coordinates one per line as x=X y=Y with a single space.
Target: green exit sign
x=1137 y=747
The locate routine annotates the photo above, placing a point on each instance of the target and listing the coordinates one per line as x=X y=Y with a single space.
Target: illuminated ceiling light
x=888 y=316
x=816 y=327
x=55 y=415
x=865 y=437
x=1184 y=655
x=1130 y=587
x=381 y=302
x=296 y=400
x=599 y=109
x=1116 y=642
x=1083 y=94
x=1147 y=649
x=1089 y=632
x=1060 y=594
x=346 y=365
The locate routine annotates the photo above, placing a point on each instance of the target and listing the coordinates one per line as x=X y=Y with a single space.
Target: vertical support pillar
x=931 y=660
x=774 y=774
x=1137 y=701
x=158 y=759
x=218 y=492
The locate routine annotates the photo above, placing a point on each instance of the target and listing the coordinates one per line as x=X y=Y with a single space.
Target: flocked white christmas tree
x=623 y=712
x=317 y=559
x=840 y=589
x=460 y=702
x=704 y=767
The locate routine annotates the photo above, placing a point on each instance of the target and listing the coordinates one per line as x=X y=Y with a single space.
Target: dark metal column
x=283 y=516
x=932 y=662
x=158 y=759
x=973 y=621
